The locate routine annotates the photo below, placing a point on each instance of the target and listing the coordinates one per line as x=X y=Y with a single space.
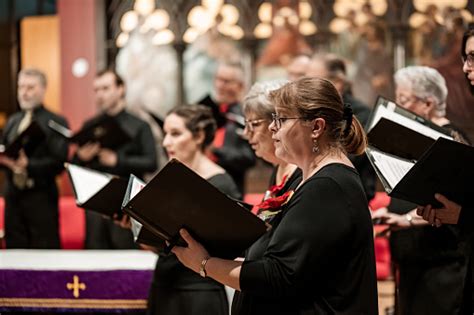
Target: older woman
x=425 y=256
x=258 y=115
x=189 y=130
x=318 y=257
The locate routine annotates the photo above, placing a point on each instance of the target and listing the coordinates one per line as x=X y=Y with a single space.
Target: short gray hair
x=425 y=82
x=257 y=100
x=35 y=73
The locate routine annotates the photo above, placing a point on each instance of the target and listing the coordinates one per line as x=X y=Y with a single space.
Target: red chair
x=71 y=223
x=381 y=244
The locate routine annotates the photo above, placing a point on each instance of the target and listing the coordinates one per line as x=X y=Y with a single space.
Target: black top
x=137 y=156
x=319 y=256
x=170 y=273
x=48 y=157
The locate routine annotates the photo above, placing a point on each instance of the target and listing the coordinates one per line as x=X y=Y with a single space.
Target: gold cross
x=75 y=286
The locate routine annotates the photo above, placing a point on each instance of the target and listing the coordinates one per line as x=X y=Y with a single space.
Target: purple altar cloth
x=98 y=290
x=75 y=281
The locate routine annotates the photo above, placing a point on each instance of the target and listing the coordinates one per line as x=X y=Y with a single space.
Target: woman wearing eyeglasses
x=318 y=257
x=258 y=112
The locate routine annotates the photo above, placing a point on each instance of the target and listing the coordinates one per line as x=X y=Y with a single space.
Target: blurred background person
x=31 y=192
x=297 y=67
x=189 y=131
x=137 y=156
x=229 y=149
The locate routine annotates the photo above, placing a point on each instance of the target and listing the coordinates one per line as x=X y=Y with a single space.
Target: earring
x=315 y=146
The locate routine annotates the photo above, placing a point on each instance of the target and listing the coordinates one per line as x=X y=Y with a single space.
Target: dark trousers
x=32 y=219
x=103 y=233
x=430 y=288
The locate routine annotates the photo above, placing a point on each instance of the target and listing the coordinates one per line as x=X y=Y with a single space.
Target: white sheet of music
x=384 y=112
x=391 y=167
x=137 y=185
x=86 y=182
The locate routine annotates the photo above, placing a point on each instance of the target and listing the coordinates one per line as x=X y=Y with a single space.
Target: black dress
x=319 y=256
x=177 y=290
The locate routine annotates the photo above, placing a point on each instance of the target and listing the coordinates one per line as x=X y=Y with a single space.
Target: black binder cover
x=108 y=200
x=148 y=238
x=446 y=167
x=391 y=137
x=177 y=197
x=28 y=140
x=106 y=131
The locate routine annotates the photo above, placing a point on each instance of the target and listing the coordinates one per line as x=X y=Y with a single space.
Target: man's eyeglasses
x=251 y=124
x=469 y=59
x=278 y=121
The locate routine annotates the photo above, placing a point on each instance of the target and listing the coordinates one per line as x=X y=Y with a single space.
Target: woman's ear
x=199 y=137
x=319 y=124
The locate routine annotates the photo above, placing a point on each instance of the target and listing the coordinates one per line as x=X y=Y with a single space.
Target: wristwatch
x=409 y=218
x=202 y=268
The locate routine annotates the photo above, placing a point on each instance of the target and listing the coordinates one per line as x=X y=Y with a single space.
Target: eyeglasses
x=251 y=124
x=278 y=121
x=405 y=100
x=469 y=59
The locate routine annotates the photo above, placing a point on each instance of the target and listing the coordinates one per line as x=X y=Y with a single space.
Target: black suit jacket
x=47 y=160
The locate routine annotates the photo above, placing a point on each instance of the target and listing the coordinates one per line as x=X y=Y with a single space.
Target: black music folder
x=28 y=140
x=179 y=198
x=446 y=167
x=395 y=130
x=105 y=130
x=96 y=191
x=143 y=236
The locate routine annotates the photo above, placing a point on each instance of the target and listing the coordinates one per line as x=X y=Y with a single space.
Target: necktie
x=20 y=179
x=25 y=122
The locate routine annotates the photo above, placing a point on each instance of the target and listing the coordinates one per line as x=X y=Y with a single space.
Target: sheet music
x=392 y=168
x=86 y=182
x=137 y=185
x=136 y=228
x=388 y=113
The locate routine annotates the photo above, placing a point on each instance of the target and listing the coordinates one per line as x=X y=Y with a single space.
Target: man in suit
x=136 y=156
x=229 y=149
x=31 y=194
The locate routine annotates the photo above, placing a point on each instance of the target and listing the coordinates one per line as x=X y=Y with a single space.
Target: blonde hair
x=318 y=98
